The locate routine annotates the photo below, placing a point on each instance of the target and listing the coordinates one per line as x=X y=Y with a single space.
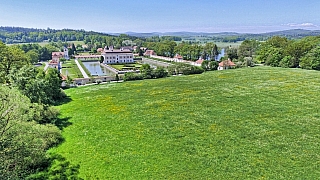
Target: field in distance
x=250 y=123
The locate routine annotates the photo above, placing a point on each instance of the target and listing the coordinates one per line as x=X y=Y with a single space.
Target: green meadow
x=250 y=123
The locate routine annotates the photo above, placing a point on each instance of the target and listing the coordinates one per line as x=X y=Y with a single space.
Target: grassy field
x=251 y=123
x=228 y=44
x=71 y=69
x=204 y=40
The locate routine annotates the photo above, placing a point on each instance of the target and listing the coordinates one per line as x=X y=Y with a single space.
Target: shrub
x=98 y=81
x=130 y=76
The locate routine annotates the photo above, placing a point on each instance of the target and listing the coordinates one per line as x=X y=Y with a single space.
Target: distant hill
x=294 y=33
x=11 y=35
x=291 y=34
x=180 y=34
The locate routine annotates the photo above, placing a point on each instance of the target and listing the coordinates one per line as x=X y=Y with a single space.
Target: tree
x=213 y=65
x=44 y=54
x=146 y=71
x=247 y=49
x=215 y=52
x=117 y=77
x=32 y=56
x=40 y=87
x=287 y=62
x=101 y=59
x=160 y=72
x=311 y=60
x=232 y=53
x=23 y=143
x=11 y=57
x=73 y=48
x=54 y=80
x=248 y=62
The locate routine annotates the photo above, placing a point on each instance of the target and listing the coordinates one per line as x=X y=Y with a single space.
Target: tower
x=66 y=53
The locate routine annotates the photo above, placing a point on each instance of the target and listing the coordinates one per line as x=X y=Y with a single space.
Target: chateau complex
x=114 y=56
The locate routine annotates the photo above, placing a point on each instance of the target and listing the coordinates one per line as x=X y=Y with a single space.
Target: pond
x=222 y=53
x=96 y=70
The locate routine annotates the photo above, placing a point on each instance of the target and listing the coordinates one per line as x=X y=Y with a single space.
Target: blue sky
x=112 y=16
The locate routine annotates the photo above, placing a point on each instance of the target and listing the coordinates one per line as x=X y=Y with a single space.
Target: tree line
x=29 y=124
x=279 y=52
x=192 y=52
x=11 y=35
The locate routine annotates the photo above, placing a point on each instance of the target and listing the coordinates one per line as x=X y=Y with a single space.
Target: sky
x=112 y=16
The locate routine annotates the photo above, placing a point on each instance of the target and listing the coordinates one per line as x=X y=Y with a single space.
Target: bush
x=130 y=76
x=98 y=81
x=185 y=69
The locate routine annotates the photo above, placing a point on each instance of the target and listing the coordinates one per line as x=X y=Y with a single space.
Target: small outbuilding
x=226 y=64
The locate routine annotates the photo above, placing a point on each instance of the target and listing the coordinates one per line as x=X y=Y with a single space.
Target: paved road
x=46 y=66
x=84 y=74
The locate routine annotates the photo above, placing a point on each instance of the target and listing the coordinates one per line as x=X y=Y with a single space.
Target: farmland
x=250 y=123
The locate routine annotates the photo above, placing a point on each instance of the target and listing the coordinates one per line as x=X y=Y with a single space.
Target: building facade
x=117 y=56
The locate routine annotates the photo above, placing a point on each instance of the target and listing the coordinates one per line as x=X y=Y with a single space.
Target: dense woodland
x=29 y=124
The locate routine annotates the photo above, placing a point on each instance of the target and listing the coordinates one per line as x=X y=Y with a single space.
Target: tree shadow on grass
x=64 y=100
x=57 y=167
x=63 y=122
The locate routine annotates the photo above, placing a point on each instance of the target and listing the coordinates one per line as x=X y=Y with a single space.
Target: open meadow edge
x=245 y=123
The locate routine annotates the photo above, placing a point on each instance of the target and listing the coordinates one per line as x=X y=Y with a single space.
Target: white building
x=117 y=56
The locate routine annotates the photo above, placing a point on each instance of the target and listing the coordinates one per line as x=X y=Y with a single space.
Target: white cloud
x=300 y=25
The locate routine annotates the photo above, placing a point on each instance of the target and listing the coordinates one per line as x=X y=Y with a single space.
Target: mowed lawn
x=251 y=123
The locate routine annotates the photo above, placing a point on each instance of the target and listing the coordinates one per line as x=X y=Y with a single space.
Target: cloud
x=300 y=25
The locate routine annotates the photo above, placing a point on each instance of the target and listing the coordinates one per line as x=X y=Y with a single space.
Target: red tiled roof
x=226 y=63
x=149 y=52
x=53 y=62
x=199 y=61
x=57 y=53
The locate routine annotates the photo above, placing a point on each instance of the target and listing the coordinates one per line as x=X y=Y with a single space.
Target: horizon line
x=164 y=32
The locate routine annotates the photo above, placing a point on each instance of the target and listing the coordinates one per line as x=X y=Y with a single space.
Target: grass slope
x=252 y=123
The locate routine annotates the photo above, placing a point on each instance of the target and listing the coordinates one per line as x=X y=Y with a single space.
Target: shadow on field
x=63 y=122
x=64 y=100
